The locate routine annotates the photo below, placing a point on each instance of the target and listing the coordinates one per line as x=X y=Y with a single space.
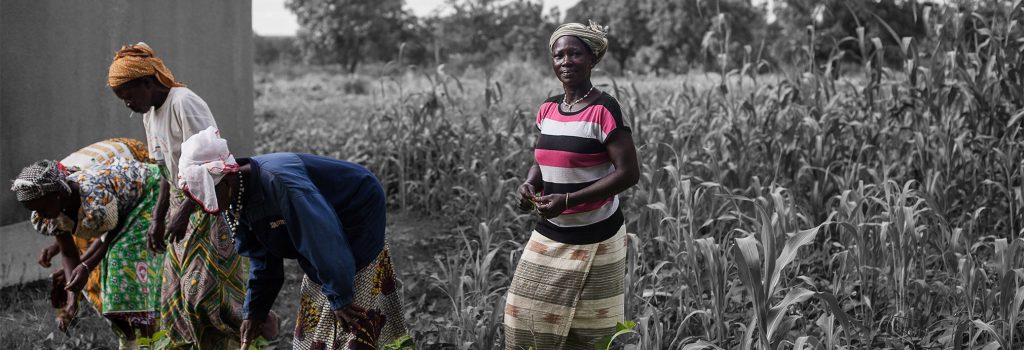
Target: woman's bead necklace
x=235 y=208
x=569 y=105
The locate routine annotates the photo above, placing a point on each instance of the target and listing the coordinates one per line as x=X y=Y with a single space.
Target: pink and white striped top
x=571 y=154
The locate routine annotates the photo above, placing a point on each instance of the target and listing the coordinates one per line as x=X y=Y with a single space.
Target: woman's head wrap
x=593 y=35
x=40 y=179
x=205 y=159
x=136 y=61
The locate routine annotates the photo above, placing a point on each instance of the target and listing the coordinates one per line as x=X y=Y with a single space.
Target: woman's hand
x=349 y=316
x=155 y=236
x=527 y=194
x=250 y=330
x=47 y=254
x=552 y=205
x=79 y=276
x=66 y=316
x=179 y=222
x=58 y=296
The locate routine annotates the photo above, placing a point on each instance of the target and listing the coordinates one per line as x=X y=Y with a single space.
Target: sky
x=270 y=17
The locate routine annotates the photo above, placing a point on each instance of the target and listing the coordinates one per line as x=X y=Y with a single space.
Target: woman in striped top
x=568 y=289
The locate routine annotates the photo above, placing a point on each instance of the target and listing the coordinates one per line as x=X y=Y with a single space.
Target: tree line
x=646 y=36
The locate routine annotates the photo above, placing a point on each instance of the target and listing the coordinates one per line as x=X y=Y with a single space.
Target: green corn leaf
x=620 y=329
x=789 y=252
x=700 y=345
x=987 y=328
x=778 y=312
x=402 y=343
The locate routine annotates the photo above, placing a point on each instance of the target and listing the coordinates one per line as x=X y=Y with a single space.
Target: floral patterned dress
x=118 y=194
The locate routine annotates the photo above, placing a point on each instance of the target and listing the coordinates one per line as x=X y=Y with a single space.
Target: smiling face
x=137 y=94
x=572 y=60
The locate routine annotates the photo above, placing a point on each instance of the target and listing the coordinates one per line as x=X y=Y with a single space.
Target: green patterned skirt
x=129 y=277
x=203 y=285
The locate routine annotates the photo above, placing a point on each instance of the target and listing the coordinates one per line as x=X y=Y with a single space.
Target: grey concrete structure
x=54 y=57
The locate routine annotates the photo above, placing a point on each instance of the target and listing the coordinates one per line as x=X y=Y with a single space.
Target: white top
x=182 y=115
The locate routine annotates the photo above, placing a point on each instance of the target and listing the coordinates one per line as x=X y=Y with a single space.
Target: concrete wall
x=54 y=57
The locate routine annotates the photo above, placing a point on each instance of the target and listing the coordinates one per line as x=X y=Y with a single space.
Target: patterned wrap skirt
x=376 y=289
x=204 y=284
x=130 y=275
x=566 y=296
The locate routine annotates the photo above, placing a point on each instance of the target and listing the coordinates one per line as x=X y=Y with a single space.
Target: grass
x=880 y=208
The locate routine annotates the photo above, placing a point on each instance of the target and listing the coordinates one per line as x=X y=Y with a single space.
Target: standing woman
x=568 y=290
x=109 y=204
x=204 y=283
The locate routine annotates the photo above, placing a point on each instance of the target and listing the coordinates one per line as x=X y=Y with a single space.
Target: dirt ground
x=27 y=321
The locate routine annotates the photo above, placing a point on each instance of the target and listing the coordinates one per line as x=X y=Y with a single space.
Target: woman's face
x=137 y=94
x=572 y=60
x=47 y=206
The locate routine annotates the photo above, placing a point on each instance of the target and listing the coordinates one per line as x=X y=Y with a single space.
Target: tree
x=484 y=32
x=670 y=34
x=627 y=25
x=349 y=32
x=834 y=20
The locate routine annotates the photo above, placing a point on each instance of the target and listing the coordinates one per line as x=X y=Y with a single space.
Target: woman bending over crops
x=568 y=290
x=327 y=214
x=108 y=203
x=66 y=302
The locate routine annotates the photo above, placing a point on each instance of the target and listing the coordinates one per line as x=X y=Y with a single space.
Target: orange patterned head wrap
x=135 y=61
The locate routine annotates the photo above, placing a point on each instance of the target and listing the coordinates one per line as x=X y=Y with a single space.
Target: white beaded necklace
x=235 y=208
x=569 y=105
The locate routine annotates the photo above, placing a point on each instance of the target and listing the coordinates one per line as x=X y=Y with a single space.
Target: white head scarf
x=205 y=159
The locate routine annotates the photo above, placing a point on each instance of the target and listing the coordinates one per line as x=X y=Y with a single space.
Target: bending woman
x=64 y=301
x=110 y=204
x=327 y=214
x=568 y=289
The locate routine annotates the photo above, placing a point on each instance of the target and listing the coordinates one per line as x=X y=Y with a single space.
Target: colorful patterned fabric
x=566 y=296
x=138 y=148
x=84 y=159
x=125 y=285
x=109 y=192
x=92 y=291
x=103 y=151
x=40 y=179
x=203 y=286
x=376 y=289
x=130 y=273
